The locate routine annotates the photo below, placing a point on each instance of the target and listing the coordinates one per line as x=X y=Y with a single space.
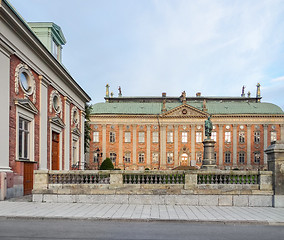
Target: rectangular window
x=155 y=137
x=96 y=157
x=227 y=157
x=141 y=157
x=257 y=157
x=228 y=137
x=198 y=136
x=257 y=137
x=273 y=137
x=141 y=137
x=112 y=137
x=127 y=157
x=184 y=137
x=214 y=136
x=242 y=157
x=170 y=157
x=127 y=137
x=23 y=138
x=112 y=156
x=96 y=137
x=241 y=137
x=170 y=137
x=199 y=157
x=155 y=157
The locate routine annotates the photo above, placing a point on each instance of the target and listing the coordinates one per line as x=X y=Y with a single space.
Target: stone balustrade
x=196 y=187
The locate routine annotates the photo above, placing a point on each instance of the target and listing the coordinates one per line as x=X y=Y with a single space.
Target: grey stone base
x=16 y=191
x=278 y=201
x=191 y=200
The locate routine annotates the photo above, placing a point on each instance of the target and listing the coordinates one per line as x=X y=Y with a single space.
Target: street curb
x=238 y=222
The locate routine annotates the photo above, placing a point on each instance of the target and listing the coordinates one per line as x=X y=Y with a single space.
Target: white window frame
x=214 y=136
x=184 y=137
x=155 y=137
x=170 y=136
x=273 y=136
x=111 y=137
x=28 y=116
x=127 y=157
x=242 y=156
x=256 y=136
x=227 y=137
x=127 y=137
x=228 y=157
x=141 y=137
x=155 y=157
x=96 y=136
x=198 y=137
x=141 y=157
x=242 y=137
x=112 y=156
x=170 y=157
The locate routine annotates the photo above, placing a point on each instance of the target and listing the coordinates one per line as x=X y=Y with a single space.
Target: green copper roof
x=214 y=107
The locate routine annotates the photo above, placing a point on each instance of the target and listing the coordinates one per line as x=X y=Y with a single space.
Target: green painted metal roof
x=214 y=107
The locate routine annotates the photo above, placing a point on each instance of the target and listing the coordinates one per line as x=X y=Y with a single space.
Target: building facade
x=167 y=132
x=42 y=106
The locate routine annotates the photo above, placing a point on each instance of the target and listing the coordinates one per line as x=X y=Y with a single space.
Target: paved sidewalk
x=258 y=215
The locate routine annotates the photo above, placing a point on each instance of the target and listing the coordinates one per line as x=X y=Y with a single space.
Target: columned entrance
x=55 y=151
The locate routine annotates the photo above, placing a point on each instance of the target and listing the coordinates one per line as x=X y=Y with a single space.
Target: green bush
x=107 y=165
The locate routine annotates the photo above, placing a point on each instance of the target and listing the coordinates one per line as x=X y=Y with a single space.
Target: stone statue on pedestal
x=208 y=128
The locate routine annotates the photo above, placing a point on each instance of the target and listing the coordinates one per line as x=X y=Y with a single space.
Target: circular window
x=184 y=111
x=25 y=82
x=56 y=104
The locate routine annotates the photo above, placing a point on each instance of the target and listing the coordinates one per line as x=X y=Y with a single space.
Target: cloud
x=278 y=79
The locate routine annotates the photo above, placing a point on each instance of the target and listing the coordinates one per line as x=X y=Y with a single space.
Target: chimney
x=198 y=94
x=164 y=94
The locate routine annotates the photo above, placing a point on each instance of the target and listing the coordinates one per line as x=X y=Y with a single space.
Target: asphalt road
x=81 y=229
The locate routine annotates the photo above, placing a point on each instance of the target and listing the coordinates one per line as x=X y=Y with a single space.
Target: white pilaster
x=4 y=109
x=235 y=139
x=176 y=146
x=120 y=145
x=43 y=123
x=265 y=139
x=104 y=142
x=163 y=149
x=248 y=145
x=221 y=142
x=148 y=146
x=134 y=132
x=67 y=147
x=82 y=152
x=282 y=132
x=192 y=140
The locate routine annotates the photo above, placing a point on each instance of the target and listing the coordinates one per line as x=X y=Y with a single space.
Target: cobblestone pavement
x=25 y=209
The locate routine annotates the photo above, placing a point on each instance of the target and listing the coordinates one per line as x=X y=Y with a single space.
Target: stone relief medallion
x=112 y=127
x=273 y=127
x=228 y=127
x=155 y=127
x=184 y=127
x=214 y=127
x=95 y=126
x=25 y=79
x=198 y=127
x=55 y=103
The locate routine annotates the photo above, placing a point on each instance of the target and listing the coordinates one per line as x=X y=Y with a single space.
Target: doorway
x=28 y=177
x=184 y=159
x=55 y=151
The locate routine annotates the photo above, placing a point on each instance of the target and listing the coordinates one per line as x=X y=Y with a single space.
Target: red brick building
x=42 y=107
x=167 y=132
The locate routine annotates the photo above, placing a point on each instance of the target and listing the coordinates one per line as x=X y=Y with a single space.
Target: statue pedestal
x=209 y=161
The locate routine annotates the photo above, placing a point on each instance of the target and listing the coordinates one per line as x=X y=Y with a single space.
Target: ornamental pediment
x=57 y=121
x=27 y=105
x=76 y=131
x=185 y=110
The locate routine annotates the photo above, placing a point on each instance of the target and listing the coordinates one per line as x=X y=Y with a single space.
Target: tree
x=88 y=108
x=107 y=165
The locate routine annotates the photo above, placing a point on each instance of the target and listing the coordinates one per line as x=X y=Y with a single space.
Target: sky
x=152 y=46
